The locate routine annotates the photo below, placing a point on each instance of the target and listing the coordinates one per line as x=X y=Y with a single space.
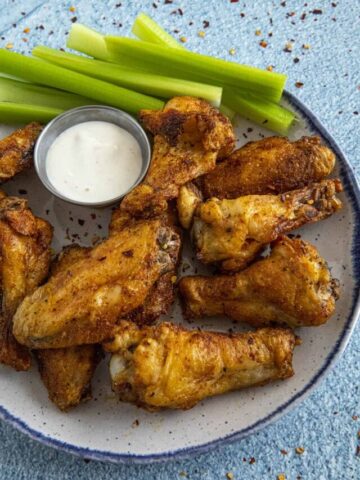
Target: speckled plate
x=105 y=429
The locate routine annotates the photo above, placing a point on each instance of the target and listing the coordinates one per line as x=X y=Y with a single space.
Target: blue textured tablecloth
x=326 y=425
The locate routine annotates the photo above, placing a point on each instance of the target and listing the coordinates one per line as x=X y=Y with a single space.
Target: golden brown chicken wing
x=24 y=264
x=234 y=231
x=82 y=304
x=189 y=136
x=16 y=150
x=272 y=165
x=67 y=372
x=167 y=366
x=291 y=286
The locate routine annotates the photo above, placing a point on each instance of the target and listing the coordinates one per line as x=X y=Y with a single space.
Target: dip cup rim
x=50 y=129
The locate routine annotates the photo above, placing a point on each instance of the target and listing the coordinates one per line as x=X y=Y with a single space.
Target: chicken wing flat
x=292 y=286
x=67 y=372
x=167 y=366
x=234 y=231
x=24 y=263
x=81 y=304
x=272 y=165
x=16 y=150
x=189 y=135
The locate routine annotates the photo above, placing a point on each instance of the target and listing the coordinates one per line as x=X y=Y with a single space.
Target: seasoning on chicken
x=24 y=263
x=189 y=135
x=16 y=150
x=271 y=165
x=233 y=232
x=292 y=286
x=82 y=303
x=167 y=366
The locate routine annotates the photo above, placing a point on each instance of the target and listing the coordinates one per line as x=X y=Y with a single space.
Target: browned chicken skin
x=233 y=232
x=291 y=286
x=189 y=135
x=67 y=372
x=167 y=366
x=24 y=263
x=272 y=165
x=82 y=303
x=16 y=150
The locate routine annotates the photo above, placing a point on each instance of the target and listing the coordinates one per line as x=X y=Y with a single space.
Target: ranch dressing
x=93 y=162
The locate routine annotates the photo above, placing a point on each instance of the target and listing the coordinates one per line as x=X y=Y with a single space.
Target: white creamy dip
x=93 y=162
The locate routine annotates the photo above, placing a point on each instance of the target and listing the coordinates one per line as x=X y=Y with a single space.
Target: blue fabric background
x=326 y=424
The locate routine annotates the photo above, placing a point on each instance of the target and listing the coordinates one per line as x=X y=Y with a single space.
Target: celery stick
x=24 y=113
x=268 y=114
x=227 y=111
x=220 y=72
x=87 y=40
x=45 y=73
x=28 y=93
x=146 y=29
x=164 y=87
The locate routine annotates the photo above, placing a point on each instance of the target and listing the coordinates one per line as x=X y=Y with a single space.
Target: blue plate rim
x=353 y=190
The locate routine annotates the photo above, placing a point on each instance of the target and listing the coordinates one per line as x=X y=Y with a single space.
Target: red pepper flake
x=242 y=15
x=234 y=1
x=303 y=16
x=25 y=40
x=252 y=460
x=81 y=222
x=357 y=453
x=283 y=452
x=167 y=2
x=263 y=44
x=355 y=417
x=299 y=84
x=206 y=23
x=317 y=11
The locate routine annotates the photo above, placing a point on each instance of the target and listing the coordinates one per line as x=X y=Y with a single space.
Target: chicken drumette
x=292 y=286
x=167 y=366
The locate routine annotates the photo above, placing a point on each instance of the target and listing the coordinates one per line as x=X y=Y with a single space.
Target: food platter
x=106 y=429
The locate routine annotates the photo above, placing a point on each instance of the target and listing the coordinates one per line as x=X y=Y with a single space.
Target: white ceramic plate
x=105 y=429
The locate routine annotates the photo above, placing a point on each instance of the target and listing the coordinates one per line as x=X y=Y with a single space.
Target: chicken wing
x=233 y=232
x=24 y=263
x=167 y=366
x=16 y=150
x=189 y=136
x=292 y=286
x=82 y=304
x=272 y=165
x=67 y=372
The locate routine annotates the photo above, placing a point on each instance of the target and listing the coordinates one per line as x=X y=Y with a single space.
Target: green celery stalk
x=86 y=40
x=159 y=86
x=265 y=113
x=23 y=92
x=148 y=30
x=25 y=113
x=35 y=70
x=220 y=72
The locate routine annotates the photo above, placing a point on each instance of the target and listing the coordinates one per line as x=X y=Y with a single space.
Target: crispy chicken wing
x=234 y=231
x=167 y=366
x=16 y=150
x=81 y=304
x=189 y=135
x=67 y=372
x=291 y=286
x=24 y=264
x=272 y=165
